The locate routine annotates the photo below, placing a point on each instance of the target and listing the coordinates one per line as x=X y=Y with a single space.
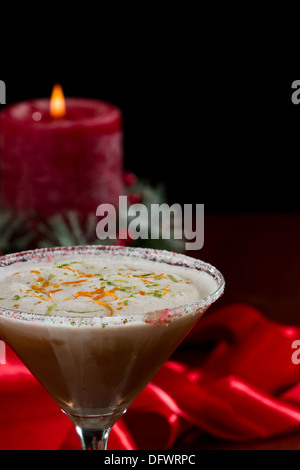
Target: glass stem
x=92 y=439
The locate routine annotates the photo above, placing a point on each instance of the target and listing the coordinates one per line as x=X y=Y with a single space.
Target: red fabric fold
x=240 y=385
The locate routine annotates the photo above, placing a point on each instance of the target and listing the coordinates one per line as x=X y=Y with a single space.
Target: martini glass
x=95 y=367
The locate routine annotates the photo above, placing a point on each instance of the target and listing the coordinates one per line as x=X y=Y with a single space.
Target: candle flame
x=57 y=102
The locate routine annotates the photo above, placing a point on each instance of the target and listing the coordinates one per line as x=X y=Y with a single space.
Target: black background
x=215 y=130
x=209 y=116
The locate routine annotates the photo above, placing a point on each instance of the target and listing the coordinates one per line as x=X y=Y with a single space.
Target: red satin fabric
x=245 y=387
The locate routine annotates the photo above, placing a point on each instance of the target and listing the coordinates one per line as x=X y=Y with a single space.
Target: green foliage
x=14 y=232
x=27 y=231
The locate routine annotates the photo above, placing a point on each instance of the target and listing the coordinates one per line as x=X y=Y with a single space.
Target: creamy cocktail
x=94 y=325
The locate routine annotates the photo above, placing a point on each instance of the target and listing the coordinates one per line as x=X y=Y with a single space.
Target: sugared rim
x=76 y=319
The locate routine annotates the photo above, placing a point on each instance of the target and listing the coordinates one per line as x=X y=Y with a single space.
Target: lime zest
x=170 y=276
x=50 y=308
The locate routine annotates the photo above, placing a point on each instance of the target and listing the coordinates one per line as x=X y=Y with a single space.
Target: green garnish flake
x=16 y=297
x=49 y=309
x=125 y=289
x=142 y=275
x=172 y=278
x=156 y=293
x=51 y=276
x=61 y=265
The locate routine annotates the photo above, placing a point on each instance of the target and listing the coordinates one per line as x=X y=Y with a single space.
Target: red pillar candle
x=54 y=163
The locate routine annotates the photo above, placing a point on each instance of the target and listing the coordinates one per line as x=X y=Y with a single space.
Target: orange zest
x=83 y=293
x=39 y=297
x=80 y=273
x=74 y=282
x=96 y=294
x=35 y=272
x=105 y=305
